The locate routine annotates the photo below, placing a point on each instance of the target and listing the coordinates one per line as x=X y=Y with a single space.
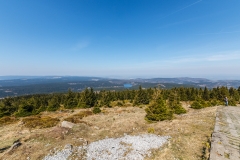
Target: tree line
x=161 y=103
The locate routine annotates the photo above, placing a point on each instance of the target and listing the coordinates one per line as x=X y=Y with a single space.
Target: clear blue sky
x=121 y=38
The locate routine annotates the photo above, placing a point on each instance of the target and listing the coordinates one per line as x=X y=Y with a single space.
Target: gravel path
x=124 y=148
x=225 y=143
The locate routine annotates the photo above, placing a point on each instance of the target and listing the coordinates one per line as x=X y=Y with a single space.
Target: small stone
x=67 y=124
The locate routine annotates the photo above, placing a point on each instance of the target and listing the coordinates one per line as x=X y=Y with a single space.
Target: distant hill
x=23 y=85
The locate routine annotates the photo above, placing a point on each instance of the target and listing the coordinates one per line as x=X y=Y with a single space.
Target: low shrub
x=25 y=110
x=208 y=104
x=214 y=102
x=53 y=108
x=119 y=104
x=232 y=102
x=178 y=109
x=96 y=110
x=196 y=105
x=71 y=103
x=84 y=113
x=200 y=103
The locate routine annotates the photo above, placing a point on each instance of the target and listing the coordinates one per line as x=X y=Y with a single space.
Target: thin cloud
x=228 y=56
x=80 y=45
x=182 y=9
x=215 y=57
x=234 y=26
x=177 y=23
x=224 y=57
x=219 y=33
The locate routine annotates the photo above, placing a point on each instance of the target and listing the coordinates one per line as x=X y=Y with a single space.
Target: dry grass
x=190 y=132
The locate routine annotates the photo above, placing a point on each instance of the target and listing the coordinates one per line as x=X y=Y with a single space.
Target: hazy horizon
x=7 y=77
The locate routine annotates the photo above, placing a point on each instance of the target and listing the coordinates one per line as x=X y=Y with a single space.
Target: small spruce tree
x=174 y=104
x=141 y=97
x=158 y=111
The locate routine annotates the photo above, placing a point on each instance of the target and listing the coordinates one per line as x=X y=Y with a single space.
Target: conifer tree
x=205 y=95
x=158 y=111
x=193 y=94
x=238 y=90
x=231 y=91
x=105 y=99
x=4 y=110
x=182 y=93
x=188 y=93
x=88 y=98
x=174 y=103
x=53 y=104
x=213 y=94
x=25 y=109
x=141 y=97
x=223 y=93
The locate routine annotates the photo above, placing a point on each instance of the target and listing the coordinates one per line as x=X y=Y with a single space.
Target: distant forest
x=168 y=99
x=46 y=85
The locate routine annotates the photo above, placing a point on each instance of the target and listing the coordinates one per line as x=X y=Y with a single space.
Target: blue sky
x=121 y=38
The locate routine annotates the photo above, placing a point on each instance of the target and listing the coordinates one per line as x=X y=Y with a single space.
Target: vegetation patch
x=151 y=130
x=76 y=117
x=7 y=120
x=158 y=111
x=96 y=110
x=206 y=150
x=30 y=105
x=39 y=122
x=120 y=104
x=197 y=105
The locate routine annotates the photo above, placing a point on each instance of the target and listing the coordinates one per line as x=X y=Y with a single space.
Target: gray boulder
x=67 y=124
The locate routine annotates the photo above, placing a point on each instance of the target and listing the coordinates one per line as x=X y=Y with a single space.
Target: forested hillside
x=158 y=101
x=19 y=86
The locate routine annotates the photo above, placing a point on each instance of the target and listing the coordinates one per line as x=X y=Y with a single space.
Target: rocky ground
x=127 y=147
